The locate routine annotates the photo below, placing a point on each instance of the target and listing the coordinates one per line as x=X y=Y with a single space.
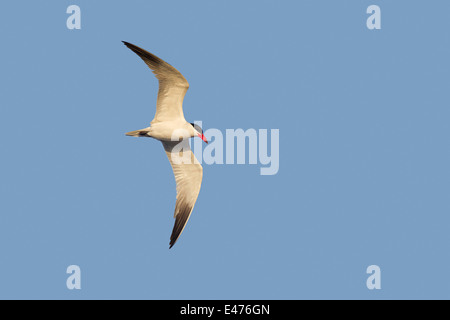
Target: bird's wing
x=188 y=176
x=172 y=86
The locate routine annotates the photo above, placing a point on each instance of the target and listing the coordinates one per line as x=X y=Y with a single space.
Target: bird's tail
x=139 y=133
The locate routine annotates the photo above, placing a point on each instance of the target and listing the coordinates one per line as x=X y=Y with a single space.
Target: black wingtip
x=142 y=53
x=130 y=45
x=172 y=242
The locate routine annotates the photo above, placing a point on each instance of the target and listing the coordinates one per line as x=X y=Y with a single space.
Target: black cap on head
x=197 y=127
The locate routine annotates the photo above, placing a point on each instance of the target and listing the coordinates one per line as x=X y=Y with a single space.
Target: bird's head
x=199 y=132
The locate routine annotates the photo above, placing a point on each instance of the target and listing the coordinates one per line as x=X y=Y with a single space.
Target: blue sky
x=364 y=160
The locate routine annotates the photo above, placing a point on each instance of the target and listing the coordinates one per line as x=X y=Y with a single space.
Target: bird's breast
x=169 y=131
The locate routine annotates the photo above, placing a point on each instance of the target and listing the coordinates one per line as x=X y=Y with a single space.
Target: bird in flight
x=170 y=127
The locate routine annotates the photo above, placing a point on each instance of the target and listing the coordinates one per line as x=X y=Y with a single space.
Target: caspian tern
x=169 y=119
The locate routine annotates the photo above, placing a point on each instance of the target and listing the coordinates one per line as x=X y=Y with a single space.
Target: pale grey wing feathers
x=172 y=86
x=188 y=174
